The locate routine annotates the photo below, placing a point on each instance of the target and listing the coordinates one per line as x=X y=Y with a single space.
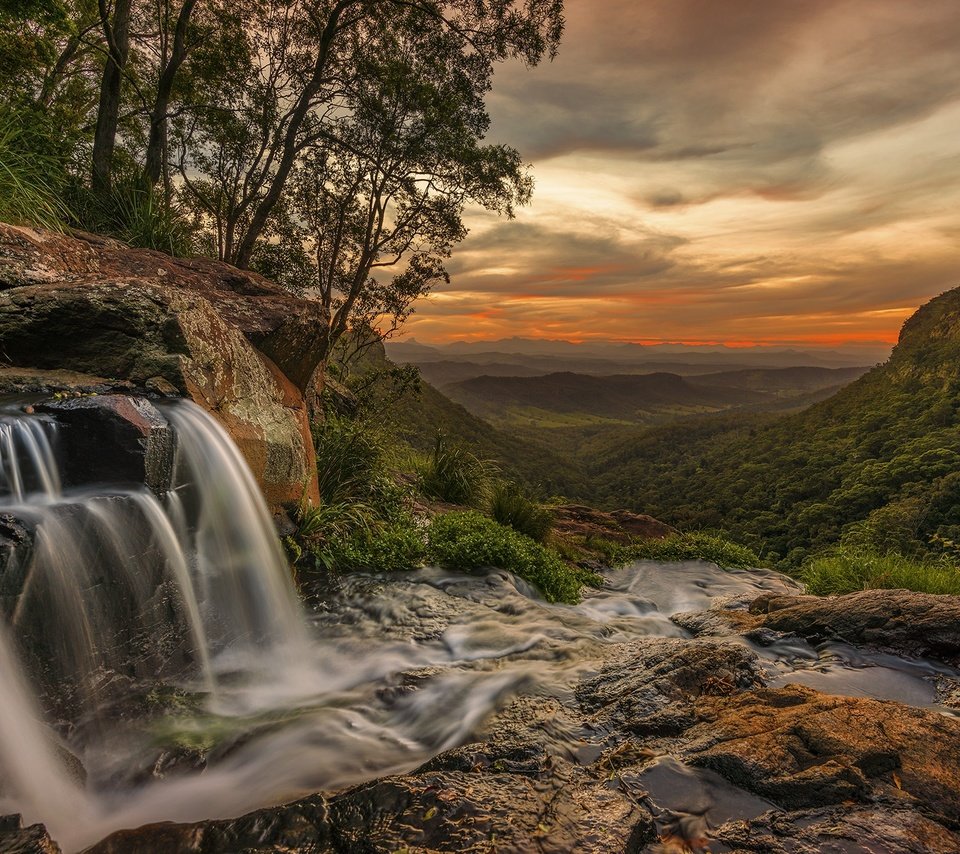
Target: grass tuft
x=29 y=180
x=510 y=506
x=455 y=475
x=846 y=570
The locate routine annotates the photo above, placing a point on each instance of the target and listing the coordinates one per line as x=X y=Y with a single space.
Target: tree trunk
x=117 y=33
x=153 y=168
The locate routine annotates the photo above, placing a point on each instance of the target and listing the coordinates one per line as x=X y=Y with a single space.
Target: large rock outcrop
x=238 y=345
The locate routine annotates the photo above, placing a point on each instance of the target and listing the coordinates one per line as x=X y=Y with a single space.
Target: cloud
x=719 y=170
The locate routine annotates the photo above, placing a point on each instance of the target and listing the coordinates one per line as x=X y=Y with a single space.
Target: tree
x=116 y=31
x=378 y=199
x=350 y=140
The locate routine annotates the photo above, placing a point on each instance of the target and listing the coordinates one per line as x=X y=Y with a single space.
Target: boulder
x=285 y=328
x=17 y=839
x=168 y=327
x=112 y=438
x=802 y=749
x=620 y=526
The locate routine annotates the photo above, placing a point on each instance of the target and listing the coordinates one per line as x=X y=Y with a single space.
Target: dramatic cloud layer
x=746 y=170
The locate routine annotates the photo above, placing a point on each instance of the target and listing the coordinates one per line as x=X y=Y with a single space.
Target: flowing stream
x=156 y=663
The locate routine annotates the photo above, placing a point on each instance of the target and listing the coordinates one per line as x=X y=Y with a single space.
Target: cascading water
x=114 y=586
x=162 y=636
x=27 y=458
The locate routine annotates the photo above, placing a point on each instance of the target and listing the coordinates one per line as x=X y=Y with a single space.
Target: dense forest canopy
x=331 y=144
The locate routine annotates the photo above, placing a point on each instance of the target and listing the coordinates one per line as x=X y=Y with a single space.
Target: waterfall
x=104 y=585
x=27 y=458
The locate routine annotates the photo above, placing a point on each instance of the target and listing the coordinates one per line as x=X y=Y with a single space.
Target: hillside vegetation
x=876 y=465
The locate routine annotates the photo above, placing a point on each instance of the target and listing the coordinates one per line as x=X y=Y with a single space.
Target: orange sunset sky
x=768 y=171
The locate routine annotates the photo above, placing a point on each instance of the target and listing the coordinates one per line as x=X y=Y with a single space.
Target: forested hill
x=879 y=461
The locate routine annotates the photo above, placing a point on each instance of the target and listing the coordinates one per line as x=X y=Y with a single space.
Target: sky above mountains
x=739 y=171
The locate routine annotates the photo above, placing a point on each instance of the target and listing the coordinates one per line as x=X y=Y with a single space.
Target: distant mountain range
x=578 y=356
x=519 y=357
x=877 y=463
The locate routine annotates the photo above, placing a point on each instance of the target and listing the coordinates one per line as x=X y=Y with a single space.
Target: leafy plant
x=385 y=547
x=455 y=475
x=846 y=570
x=509 y=505
x=468 y=541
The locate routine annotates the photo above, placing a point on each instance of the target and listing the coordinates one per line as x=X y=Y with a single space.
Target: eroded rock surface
x=17 y=839
x=621 y=526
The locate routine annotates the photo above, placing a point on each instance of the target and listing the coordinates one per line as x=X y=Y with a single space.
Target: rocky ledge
x=672 y=745
x=81 y=314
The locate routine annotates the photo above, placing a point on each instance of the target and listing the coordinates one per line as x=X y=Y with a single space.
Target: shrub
x=693 y=546
x=509 y=506
x=351 y=459
x=389 y=547
x=455 y=475
x=846 y=570
x=469 y=541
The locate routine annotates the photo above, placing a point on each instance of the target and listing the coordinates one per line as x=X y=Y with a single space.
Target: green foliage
x=469 y=541
x=362 y=521
x=846 y=570
x=351 y=460
x=712 y=547
x=455 y=475
x=30 y=180
x=877 y=465
x=509 y=505
x=386 y=547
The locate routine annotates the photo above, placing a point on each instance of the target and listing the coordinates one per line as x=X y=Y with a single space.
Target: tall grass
x=455 y=475
x=847 y=570
x=510 y=506
x=351 y=459
x=30 y=181
x=134 y=213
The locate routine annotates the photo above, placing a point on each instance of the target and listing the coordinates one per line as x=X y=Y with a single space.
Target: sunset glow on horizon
x=742 y=173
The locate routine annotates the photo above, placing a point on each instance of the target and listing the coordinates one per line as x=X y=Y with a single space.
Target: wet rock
x=17 y=839
x=800 y=749
x=779 y=770
x=918 y=624
x=838 y=831
x=652 y=687
x=33 y=381
x=113 y=439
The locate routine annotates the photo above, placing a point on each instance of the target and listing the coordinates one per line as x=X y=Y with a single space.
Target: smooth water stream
x=236 y=699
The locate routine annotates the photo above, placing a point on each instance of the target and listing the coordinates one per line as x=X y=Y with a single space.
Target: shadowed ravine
x=202 y=690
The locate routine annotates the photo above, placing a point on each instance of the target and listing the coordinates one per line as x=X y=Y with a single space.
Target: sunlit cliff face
x=743 y=171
